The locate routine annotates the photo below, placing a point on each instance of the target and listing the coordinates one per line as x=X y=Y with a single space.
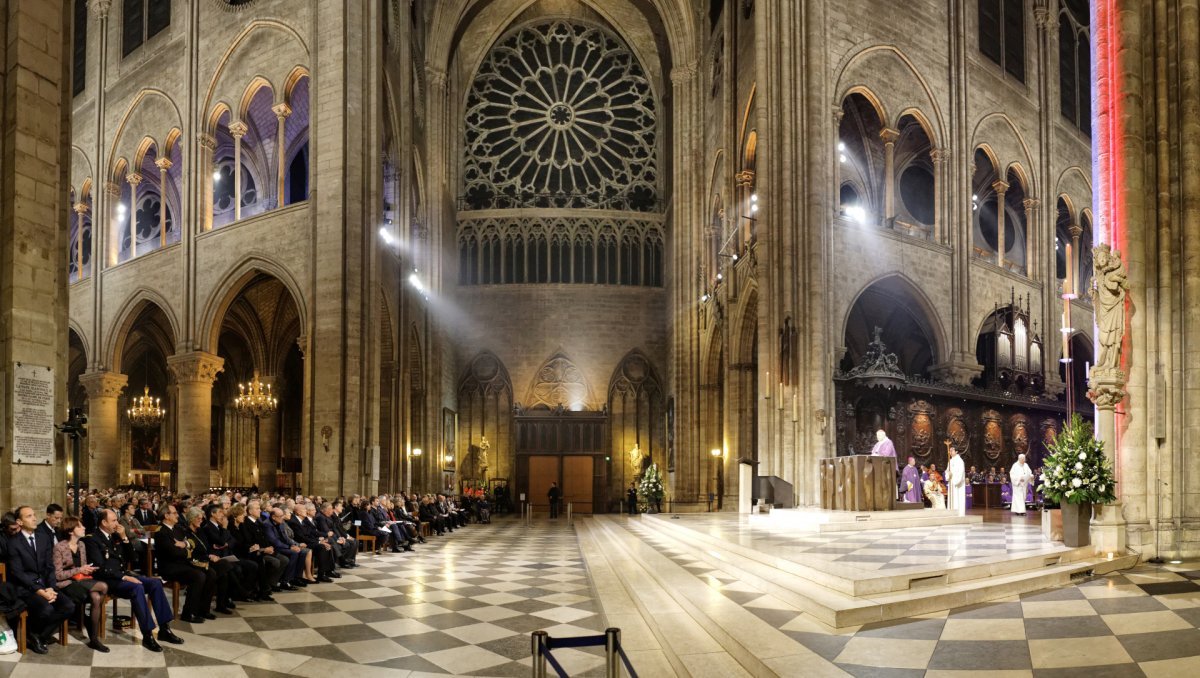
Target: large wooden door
x=543 y=470
x=578 y=476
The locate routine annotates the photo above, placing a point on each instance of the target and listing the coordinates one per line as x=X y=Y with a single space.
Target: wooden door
x=577 y=482
x=543 y=470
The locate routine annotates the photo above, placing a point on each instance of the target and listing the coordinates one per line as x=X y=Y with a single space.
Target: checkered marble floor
x=881 y=549
x=1142 y=622
x=464 y=604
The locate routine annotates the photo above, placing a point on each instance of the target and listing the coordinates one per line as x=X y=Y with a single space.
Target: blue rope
x=576 y=641
x=555 y=665
x=580 y=641
x=625 y=660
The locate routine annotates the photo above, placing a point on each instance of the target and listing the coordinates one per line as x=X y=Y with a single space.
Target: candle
x=795 y=406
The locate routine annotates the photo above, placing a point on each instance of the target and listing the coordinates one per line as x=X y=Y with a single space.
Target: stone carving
x=103 y=384
x=1105 y=395
x=1020 y=434
x=921 y=440
x=195 y=368
x=878 y=366
x=993 y=436
x=956 y=431
x=1110 y=283
x=559 y=382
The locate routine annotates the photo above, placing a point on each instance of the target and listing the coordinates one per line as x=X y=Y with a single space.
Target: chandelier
x=255 y=399
x=146 y=412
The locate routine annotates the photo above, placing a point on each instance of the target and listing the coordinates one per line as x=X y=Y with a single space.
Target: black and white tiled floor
x=464 y=604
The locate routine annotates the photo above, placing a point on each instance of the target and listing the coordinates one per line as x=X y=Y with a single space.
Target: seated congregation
x=217 y=550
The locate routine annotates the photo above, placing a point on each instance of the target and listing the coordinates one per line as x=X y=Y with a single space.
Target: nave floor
x=464 y=604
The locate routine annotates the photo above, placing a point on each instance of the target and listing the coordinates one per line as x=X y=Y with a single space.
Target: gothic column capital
x=838 y=114
x=103 y=384
x=302 y=344
x=938 y=156
x=435 y=76
x=281 y=111
x=889 y=135
x=197 y=367
x=1106 y=388
x=207 y=141
x=1000 y=186
x=134 y=178
x=1031 y=203
x=100 y=8
x=80 y=208
x=163 y=164
x=1075 y=230
x=683 y=73
x=238 y=129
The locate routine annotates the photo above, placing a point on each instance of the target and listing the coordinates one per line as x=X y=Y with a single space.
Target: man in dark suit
x=240 y=574
x=109 y=551
x=31 y=568
x=306 y=533
x=175 y=564
x=273 y=565
x=49 y=526
x=90 y=513
x=287 y=547
x=343 y=544
x=145 y=514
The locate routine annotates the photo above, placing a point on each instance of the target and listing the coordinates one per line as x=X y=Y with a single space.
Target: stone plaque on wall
x=33 y=415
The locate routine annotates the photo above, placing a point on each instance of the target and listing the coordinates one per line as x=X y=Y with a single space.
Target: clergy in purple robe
x=910 y=483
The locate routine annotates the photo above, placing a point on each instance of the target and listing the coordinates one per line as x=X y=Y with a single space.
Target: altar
x=858 y=483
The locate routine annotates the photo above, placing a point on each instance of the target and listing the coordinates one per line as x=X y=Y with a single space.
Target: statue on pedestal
x=635 y=459
x=1111 y=282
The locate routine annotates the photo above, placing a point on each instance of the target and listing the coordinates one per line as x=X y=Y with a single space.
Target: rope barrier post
x=569 y=507
x=612 y=644
x=538 y=641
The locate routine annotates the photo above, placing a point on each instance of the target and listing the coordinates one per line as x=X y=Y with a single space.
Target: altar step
x=824 y=521
x=841 y=601
x=673 y=620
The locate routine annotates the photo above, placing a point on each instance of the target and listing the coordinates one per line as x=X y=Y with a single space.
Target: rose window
x=560 y=115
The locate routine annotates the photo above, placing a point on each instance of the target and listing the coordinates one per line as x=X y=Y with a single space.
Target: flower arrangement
x=651 y=486
x=1077 y=472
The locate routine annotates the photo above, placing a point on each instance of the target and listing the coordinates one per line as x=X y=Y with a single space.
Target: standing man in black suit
x=109 y=551
x=31 y=568
x=91 y=513
x=343 y=544
x=50 y=526
x=555 y=496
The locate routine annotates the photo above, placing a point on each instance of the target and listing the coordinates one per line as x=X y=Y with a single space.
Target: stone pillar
x=838 y=154
x=81 y=210
x=282 y=111
x=104 y=426
x=194 y=375
x=1076 y=232
x=164 y=166
x=889 y=137
x=208 y=147
x=938 y=157
x=1031 y=241
x=108 y=229
x=1107 y=390
x=237 y=130
x=134 y=180
x=1000 y=187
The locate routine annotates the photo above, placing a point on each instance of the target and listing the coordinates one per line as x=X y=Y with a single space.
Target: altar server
x=956 y=482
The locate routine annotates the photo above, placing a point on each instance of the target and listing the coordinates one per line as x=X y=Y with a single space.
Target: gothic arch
x=230 y=286
x=559 y=381
x=151 y=109
x=142 y=299
x=271 y=35
x=856 y=69
x=903 y=294
x=1006 y=145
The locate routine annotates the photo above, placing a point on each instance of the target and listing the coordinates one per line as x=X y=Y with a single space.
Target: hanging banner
x=33 y=414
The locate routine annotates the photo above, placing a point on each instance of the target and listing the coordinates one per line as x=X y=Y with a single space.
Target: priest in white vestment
x=1020 y=475
x=956 y=483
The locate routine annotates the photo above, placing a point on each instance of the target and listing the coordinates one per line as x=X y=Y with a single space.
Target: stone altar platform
x=849 y=577
x=825 y=521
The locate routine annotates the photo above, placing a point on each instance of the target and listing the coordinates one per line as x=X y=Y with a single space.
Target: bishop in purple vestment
x=910 y=483
x=884 y=448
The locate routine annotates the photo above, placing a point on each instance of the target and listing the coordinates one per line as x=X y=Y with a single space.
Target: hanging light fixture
x=255 y=399
x=146 y=412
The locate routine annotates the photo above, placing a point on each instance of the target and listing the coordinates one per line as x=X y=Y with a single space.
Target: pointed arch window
x=1002 y=35
x=1075 y=64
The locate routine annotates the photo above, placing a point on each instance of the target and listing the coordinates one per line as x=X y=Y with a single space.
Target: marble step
x=838 y=609
x=822 y=522
x=745 y=644
x=849 y=581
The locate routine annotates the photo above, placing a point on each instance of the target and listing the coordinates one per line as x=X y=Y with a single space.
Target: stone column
x=1107 y=390
x=268 y=442
x=81 y=210
x=1000 y=187
x=104 y=426
x=838 y=154
x=938 y=157
x=237 y=130
x=282 y=111
x=194 y=375
x=889 y=137
x=112 y=190
x=134 y=180
x=1031 y=240
x=1076 y=232
x=164 y=166
x=208 y=147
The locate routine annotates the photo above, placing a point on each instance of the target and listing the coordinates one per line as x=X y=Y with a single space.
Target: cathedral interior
x=479 y=244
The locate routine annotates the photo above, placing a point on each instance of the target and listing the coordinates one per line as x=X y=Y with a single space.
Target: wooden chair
x=23 y=621
x=426 y=530
x=364 y=538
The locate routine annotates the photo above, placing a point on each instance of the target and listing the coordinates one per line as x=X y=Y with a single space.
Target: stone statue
x=635 y=458
x=1110 y=285
x=484 y=446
